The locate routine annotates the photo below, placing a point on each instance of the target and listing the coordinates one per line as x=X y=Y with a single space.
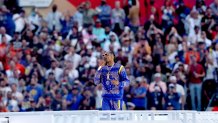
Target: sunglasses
x=105 y=54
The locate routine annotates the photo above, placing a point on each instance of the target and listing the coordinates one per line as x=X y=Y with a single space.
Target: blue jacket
x=116 y=72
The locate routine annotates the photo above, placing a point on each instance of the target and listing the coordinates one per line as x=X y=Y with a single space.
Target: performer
x=113 y=77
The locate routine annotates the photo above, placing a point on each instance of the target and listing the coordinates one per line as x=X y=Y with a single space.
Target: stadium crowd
x=48 y=63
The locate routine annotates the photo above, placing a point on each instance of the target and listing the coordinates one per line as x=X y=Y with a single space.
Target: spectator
x=88 y=102
x=3 y=35
x=55 y=16
x=15 y=93
x=99 y=31
x=88 y=14
x=74 y=99
x=7 y=20
x=13 y=73
x=78 y=17
x=200 y=7
x=205 y=40
x=193 y=20
x=3 y=108
x=33 y=106
x=168 y=11
x=35 y=19
x=56 y=103
x=213 y=7
x=67 y=24
x=159 y=82
x=158 y=70
x=73 y=73
x=104 y=13
x=118 y=17
x=139 y=95
x=20 y=21
x=156 y=98
x=134 y=15
x=196 y=72
x=152 y=21
x=207 y=21
x=56 y=70
x=180 y=90
x=73 y=57
x=34 y=89
x=112 y=43
x=195 y=37
x=172 y=98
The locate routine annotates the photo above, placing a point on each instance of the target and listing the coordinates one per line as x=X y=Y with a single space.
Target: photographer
x=172 y=98
x=156 y=98
x=179 y=89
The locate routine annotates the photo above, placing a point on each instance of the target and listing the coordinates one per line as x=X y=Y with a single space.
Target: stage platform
x=110 y=117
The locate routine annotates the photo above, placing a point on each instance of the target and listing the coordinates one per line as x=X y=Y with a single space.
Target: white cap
x=173 y=78
x=171 y=85
x=157 y=75
x=138 y=79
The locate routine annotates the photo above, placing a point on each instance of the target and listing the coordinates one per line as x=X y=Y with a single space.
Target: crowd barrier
x=110 y=117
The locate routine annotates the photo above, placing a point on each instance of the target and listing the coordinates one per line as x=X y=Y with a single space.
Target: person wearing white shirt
x=73 y=73
x=53 y=19
x=34 y=18
x=210 y=69
x=93 y=61
x=12 y=73
x=4 y=88
x=196 y=36
x=193 y=19
x=19 y=21
x=109 y=33
x=78 y=17
x=112 y=43
x=56 y=70
x=3 y=34
x=157 y=81
x=205 y=39
x=73 y=57
x=179 y=89
x=118 y=16
x=18 y=95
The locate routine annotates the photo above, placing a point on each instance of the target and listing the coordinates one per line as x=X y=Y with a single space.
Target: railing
x=109 y=116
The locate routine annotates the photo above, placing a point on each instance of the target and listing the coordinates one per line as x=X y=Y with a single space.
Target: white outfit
x=57 y=73
x=75 y=59
x=8 y=38
x=19 y=22
x=53 y=19
x=73 y=74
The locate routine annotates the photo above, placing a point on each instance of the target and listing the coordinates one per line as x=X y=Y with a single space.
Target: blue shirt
x=105 y=13
x=75 y=103
x=35 y=92
x=173 y=100
x=110 y=90
x=139 y=102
